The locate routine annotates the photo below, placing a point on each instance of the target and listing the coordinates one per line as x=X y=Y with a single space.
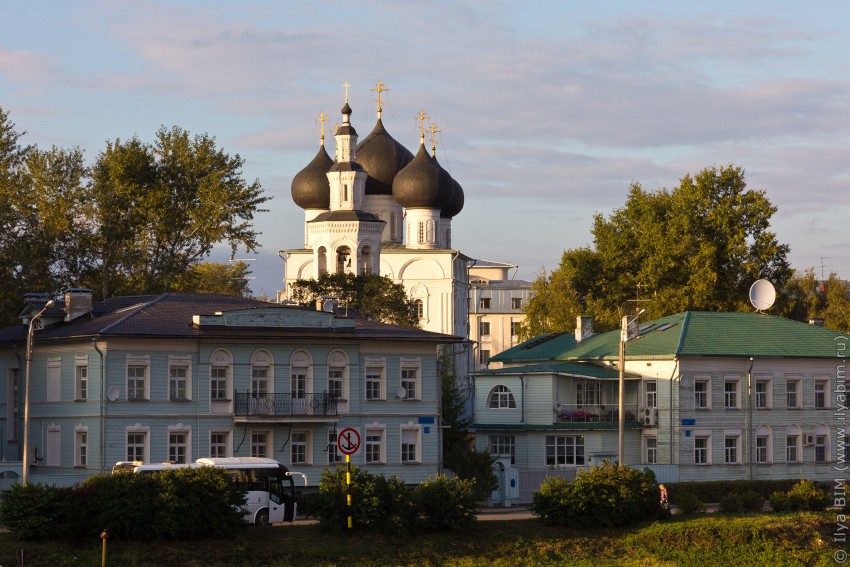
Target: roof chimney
x=77 y=302
x=584 y=328
x=816 y=321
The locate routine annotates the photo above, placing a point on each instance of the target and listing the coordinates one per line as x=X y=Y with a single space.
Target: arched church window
x=421 y=232
x=366 y=260
x=429 y=230
x=343 y=260
x=322 y=261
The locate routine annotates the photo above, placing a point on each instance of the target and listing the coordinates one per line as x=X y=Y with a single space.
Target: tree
x=215 y=277
x=162 y=207
x=697 y=247
x=372 y=296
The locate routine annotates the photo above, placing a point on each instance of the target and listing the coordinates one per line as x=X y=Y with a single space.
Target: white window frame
x=375 y=374
x=651 y=449
x=375 y=436
x=820 y=394
x=794 y=385
x=262 y=443
x=262 y=372
x=651 y=393
x=220 y=448
x=483 y=328
x=793 y=440
x=704 y=437
x=302 y=442
x=406 y=432
x=516 y=303
x=81 y=446
x=767 y=402
x=485 y=302
x=706 y=394
x=589 y=394
x=501 y=398
x=221 y=362
x=555 y=450
x=176 y=365
x=821 y=445
x=81 y=378
x=174 y=446
x=54 y=379
x=412 y=384
x=764 y=432
x=335 y=457
x=53 y=446
x=145 y=433
x=733 y=450
x=502 y=445
x=735 y=393
x=136 y=363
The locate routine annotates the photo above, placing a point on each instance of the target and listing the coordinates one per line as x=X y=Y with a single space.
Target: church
x=376 y=208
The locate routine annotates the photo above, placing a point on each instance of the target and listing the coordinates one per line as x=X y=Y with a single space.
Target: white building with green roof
x=708 y=396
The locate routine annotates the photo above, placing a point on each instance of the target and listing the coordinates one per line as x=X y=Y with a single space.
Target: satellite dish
x=762 y=295
x=112 y=393
x=401 y=393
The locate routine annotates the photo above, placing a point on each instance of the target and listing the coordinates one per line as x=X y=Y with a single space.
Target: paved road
x=487 y=514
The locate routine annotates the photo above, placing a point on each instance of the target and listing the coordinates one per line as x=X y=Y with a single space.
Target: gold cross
x=346 y=85
x=321 y=120
x=434 y=132
x=380 y=89
x=422 y=117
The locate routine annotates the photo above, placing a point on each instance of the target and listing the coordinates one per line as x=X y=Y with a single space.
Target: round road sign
x=348 y=441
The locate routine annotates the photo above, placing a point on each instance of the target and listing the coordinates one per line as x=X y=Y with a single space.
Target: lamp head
x=49 y=304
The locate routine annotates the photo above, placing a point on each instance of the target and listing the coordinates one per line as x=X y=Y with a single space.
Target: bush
x=175 y=504
x=605 y=495
x=474 y=465
x=803 y=496
x=689 y=503
x=731 y=504
x=715 y=490
x=446 y=503
x=377 y=503
x=752 y=501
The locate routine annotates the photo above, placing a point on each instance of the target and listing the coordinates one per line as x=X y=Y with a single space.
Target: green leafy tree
x=699 y=246
x=174 y=200
x=215 y=277
x=372 y=296
x=454 y=418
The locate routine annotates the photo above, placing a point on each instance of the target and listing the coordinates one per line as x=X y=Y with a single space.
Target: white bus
x=268 y=485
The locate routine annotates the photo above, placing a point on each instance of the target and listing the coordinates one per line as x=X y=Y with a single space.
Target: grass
x=751 y=540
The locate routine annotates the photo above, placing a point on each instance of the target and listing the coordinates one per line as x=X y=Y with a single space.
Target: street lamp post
x=31 y=328
x=624 y=336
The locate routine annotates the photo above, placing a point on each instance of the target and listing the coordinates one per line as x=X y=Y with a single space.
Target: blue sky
x=547 y=110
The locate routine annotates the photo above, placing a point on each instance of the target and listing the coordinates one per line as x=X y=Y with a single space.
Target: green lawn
x=751 y=540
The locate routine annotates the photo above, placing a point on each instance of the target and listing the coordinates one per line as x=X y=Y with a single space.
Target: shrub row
x=174 y=504
x=715 y=490
x=388 y=505
x=604 y=495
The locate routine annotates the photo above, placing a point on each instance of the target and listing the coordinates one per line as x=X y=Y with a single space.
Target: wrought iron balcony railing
x=593 y=414
x=283 y=405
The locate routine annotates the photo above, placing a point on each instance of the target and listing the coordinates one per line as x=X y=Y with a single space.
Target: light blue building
x=176 y=377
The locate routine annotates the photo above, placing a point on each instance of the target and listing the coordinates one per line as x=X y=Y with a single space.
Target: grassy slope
x=770 y=539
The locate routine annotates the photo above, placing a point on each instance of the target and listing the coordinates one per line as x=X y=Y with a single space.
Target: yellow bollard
x=103 y=537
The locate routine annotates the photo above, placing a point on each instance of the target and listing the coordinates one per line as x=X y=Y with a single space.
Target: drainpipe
x=522 y=390
x=673 y=405
x=748 y=423
x=102 y=407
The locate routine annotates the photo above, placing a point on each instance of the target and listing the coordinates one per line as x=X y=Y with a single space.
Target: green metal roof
x=595 y=426
x=571 y=368
x=697 y=333
x=540 y=348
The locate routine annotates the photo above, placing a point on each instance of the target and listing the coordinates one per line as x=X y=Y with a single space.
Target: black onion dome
x=447 y=183
x=417 y=186
x=456 y=204
x=382 y=157
x=346 y=129
x=310 y=186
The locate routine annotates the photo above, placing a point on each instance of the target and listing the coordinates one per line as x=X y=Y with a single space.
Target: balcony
x=284 y=407
x=593 y=414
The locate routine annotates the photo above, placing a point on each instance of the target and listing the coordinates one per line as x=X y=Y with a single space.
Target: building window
x=334 y=456
x=137 y=382
x=651 y=450
x=81 y=382
x=501 y=398
x=259 y=444
x=564 y=450
x=374 y=446
x=81 y=448
x=178 y=444
x=136 y=446
x=820 y=449
x=374 y=383
x=730 y=394
x=53 y=448
x=298 y=453
x=409 y=446
x=218 y=443
x=588 y=393
x=701 y=394
x=421 y=233
x=409 y=381
x=503 y=446
x=793 y=393
x=484 y=328
x=335 y=377
x=484 y=356
x=13 y=406
x=792 y=453
x=484 y=303
x=54 y=379
x=516 y=303
x=761 y=449
x=420 y=308
x=820 y=394
x=218 y=383
x=177 y=376
x=515 y=328
x=298 y=383
x=260 y=380
x=701 y=452
x=731 y=449
x=762 y=395
x=651 y=394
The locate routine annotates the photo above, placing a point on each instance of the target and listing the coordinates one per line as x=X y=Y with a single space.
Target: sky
x=548 y=111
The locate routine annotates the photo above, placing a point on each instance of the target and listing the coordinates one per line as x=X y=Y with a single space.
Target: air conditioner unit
x=649 y=417
x=809 y=440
